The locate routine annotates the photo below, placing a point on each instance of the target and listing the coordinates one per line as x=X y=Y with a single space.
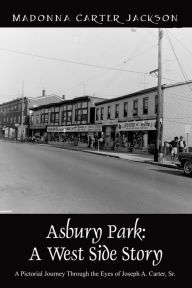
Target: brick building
x=11 y=124
x=11 y=118
x=131 y=119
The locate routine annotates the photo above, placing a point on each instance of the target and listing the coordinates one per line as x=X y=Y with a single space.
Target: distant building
x=131 y=119
x=14 y=124
x=67 y=121
x=44 y=99
x=11 y=118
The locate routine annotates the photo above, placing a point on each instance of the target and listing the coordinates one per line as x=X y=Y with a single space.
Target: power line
x=178 y=62
x=69 y=61
x=187 y=49
x=146 y=50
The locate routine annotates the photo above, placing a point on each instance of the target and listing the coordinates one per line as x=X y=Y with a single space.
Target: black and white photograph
x=96 y=145
x=85 y=115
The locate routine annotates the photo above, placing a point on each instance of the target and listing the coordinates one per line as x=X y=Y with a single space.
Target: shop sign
x=110 y=122
x=77 y=128
x=137 y=125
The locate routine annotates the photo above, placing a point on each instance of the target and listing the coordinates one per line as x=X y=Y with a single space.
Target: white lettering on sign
x=137 y=125
x=77 y=128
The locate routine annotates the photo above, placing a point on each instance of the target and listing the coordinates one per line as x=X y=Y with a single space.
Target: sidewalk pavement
x=136 y=157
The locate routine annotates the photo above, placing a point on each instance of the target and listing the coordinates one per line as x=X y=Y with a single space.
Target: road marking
x=6 y=211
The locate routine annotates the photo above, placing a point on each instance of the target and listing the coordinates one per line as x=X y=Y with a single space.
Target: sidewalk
x=136 y=157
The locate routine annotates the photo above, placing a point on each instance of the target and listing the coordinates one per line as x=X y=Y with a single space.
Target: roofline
x=65 y=101
x=177 y=84
x=14 y=100
x=163 y=86
x=40 y=97
x=128 y=95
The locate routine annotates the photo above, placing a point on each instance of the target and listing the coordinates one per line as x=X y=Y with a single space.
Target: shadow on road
x=172 y=172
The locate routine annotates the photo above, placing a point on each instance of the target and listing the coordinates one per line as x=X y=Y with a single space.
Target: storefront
x=140 y=134
x=73 y=135
x=109 y=128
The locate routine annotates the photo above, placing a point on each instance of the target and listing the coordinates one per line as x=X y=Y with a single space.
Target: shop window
x=109 y=112
x=125 y=109
x=116 y=110
x=145 y=106
x=97 y=114
x=102 y=112
x=135 y=107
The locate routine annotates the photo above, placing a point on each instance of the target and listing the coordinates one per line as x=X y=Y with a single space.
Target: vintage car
x=185 y=162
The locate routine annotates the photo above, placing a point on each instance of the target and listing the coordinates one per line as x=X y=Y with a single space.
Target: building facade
x=70 y=121
x=14 y=123
x=131 y=119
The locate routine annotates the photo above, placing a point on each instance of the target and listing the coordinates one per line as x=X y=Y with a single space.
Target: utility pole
x=158 y=142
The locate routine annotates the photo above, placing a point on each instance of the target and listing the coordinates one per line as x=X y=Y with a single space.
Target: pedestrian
x=182 y=144
x=46 y=139
x=174 y=145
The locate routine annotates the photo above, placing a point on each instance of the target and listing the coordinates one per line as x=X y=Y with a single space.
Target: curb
x=102 y=154
x=163 y=164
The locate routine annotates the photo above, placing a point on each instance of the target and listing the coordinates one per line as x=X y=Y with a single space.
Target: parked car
x=185 y=162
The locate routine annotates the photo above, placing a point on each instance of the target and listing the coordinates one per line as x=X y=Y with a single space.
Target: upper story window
x=116 y=110
x=102 y=113
x=97 y=114
x=69 y=116
x=54 y=117
x=125 y=109
x=135 y=107
x=84 y=115
x=44 y=118
x=145 y=105
x=109 y=112
x=64 y=116
x=84 y=104
x=37 y=118
x=81 y=112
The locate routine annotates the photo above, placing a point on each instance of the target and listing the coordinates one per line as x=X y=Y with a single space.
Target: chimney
x=63 y=97
x=43 y=92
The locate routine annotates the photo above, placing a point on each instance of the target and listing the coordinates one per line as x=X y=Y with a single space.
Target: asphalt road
x=43 y=179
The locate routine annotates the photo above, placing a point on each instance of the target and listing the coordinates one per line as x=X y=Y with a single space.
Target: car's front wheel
x=188 y=168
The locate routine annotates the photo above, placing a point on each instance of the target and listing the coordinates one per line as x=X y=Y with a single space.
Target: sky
x=104 y=62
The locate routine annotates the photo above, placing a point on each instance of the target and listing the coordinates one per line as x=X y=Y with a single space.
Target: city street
x=43 y=179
